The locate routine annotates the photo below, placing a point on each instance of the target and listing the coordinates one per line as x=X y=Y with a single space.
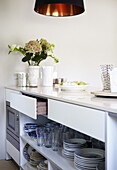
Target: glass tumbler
x=48 y=137
x=40 y=136
x=66 y=134
x=55 y=139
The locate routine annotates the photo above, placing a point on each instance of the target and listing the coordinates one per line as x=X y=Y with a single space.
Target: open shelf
x=28 y=167
x=53 y=156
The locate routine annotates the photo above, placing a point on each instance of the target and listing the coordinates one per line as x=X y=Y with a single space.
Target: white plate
x=75 y=141
x=26 y=151
x=90 y=154
x=84 y=167
x=73 y=88
x=105 y=94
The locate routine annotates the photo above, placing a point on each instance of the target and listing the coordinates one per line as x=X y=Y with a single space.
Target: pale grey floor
x=8 y=165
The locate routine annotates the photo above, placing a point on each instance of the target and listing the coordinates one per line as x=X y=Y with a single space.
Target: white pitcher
x=113 y=80
x=46 y=75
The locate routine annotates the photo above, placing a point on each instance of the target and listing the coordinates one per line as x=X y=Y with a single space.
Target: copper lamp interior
x=45 y=7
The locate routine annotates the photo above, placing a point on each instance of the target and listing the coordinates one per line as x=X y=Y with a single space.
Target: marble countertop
x=82 y=98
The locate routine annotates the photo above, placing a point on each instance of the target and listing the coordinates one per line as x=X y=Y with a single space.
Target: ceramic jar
x=21 y=79
x=33 y=76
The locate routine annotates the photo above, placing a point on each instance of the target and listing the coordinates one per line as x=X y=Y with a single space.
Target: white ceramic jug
x=46 y=75
x=113 y=80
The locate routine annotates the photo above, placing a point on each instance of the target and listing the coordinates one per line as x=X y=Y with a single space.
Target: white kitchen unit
x=96 y=117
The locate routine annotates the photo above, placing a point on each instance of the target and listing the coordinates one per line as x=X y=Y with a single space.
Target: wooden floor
x=8 y=165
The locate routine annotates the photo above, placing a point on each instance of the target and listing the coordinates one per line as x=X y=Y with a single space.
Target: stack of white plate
x=89 y=159
x=68 y=154
x=71 y=145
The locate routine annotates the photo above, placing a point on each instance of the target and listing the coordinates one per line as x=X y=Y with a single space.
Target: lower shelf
x=54 y=157
x=28 y=167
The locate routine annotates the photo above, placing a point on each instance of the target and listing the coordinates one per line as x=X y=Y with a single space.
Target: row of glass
x=52 y=135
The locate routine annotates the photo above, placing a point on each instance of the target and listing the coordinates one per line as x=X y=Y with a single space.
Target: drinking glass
x=40 y=136
x=66 y=133
x=48 y=135
x=55 y=139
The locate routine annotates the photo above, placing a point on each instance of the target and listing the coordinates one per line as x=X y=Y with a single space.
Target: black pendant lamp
x=59 y=8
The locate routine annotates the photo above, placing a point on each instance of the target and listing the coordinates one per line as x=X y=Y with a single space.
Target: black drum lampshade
x=59 y=8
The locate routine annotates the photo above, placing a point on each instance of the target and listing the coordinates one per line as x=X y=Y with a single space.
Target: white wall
x=82 y=42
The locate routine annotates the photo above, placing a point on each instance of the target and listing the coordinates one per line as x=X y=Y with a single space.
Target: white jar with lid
x=21 y=79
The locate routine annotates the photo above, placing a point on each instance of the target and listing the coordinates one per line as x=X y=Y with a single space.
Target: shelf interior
x=54 y=157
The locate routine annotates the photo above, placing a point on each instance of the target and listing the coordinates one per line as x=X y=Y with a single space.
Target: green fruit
x=82 y=83
x=62 y=83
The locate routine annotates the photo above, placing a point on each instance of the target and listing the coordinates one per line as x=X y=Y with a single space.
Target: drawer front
x=8 y=93
x=14 y=142
x=24 y=104
x=83 y=119
x=13 y=152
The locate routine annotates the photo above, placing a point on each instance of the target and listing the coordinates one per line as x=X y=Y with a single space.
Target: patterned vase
x=105 y=75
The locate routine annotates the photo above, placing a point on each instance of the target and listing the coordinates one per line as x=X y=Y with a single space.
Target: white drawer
x=8 y=93
x=83 y=119
x=24 y=104
x=13 y=152
x=27 y=105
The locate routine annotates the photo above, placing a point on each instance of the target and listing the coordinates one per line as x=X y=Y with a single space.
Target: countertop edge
x=67 y=100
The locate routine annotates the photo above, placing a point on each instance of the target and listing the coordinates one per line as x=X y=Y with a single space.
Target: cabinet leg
x=111 y=142
x=8 y=156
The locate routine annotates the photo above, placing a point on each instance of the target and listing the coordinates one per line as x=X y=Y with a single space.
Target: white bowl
x=73 y=88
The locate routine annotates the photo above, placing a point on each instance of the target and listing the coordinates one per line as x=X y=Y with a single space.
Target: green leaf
x=27 y=57
x=39 y=57
x=43 y=56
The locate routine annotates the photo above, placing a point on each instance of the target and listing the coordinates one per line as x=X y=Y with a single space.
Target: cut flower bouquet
x=35 y=51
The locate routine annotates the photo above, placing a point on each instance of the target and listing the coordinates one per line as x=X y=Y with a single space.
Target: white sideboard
x=96 y=117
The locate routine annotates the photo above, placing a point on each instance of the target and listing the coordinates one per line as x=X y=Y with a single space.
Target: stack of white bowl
x=71 y=145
